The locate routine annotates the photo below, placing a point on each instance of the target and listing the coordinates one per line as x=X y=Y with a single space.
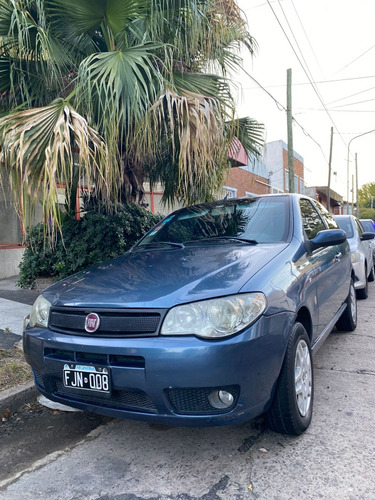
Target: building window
x=276 y=190
x=302 y=186
x=286 y=185
x=296 y=184
x=229 y=192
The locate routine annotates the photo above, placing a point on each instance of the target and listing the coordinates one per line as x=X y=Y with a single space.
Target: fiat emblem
x=92 y=322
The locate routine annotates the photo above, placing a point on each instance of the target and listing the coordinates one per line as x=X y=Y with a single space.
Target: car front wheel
x=292 y=406
x=348 y=319
x=362 y=293
x=371 y=276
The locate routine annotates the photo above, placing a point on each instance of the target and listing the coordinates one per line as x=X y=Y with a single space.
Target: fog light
x=221 y=399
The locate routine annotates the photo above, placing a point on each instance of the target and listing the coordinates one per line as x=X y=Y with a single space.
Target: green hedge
x=95 y=238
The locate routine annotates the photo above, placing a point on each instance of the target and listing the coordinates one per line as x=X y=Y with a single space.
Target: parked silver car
x=369 y=226
x=360 y=250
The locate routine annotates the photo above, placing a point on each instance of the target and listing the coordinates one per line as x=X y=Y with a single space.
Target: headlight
x=215 y=318
x=39 y=312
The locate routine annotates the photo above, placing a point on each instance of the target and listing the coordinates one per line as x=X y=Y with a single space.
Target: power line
x=318 y=82
x=306 y=73
x=306 y=35
x=281 y=107
x=352 y=104
x=356 y=59
x=307 y=110
x=351 y=95
x=295 y=39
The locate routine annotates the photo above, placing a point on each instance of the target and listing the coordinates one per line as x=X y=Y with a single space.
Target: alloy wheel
x=303 y=377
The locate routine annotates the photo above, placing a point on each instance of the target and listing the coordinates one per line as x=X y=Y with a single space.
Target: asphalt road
x=333 y=460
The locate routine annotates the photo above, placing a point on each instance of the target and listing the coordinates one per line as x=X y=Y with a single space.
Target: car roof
x=247 y=198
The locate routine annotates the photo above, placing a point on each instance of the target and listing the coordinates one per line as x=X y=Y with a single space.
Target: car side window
x=311 y=220
x=359 y=227
x=327 y=217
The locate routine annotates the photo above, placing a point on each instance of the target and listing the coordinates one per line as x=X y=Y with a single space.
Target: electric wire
x=351 y=95
x=318 y=82
x=356 y=59
x=306 y=73
x=306 y=35
x=352 y=104
x=281 y=107
x=296 y=42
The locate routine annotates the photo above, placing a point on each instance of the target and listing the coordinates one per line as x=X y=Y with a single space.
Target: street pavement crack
x=362 y=371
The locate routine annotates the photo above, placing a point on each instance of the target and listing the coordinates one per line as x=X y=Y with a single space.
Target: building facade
x=336 y=203
x=275 y=158
x=267 y=174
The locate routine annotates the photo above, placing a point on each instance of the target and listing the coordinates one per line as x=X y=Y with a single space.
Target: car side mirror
x=328 y=237
x=367 y=236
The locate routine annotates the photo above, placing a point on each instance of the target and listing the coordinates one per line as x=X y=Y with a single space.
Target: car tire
x=292 y=406
x=371 y=276
x=348 y=319
x=362 y=293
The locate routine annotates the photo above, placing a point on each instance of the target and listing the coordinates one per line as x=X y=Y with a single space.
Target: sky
x=330 y=47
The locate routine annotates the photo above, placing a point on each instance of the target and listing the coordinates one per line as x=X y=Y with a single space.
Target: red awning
x=238 y=154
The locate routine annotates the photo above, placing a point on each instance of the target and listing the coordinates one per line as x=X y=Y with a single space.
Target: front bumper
x=166 y=380
x=360 y=274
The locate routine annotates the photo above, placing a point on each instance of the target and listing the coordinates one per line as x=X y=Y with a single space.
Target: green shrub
x=95 y=238
x=367 y=213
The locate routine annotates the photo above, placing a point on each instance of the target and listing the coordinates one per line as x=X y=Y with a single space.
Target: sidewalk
x=15 y=304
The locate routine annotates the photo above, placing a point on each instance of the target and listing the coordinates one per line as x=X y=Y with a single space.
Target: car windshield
x=346 y=225
x=253 y=220
x=368 y=226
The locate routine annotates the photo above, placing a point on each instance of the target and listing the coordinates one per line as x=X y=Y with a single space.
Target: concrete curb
x=17 y=396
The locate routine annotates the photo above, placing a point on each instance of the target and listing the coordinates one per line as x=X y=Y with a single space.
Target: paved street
x=334 y=459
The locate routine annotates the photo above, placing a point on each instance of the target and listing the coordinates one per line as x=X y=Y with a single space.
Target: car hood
x=162 y=278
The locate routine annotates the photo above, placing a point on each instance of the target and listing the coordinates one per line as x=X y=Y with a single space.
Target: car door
x=327 y=267
x=366 y=245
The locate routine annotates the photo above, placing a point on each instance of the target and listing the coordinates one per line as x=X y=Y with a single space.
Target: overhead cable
x=281 y=107
x=306 y=73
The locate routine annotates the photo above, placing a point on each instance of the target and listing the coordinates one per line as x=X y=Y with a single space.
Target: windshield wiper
x=233 y=238
x=157 y=243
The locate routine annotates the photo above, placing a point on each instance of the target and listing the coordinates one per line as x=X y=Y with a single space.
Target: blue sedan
x=212 y=318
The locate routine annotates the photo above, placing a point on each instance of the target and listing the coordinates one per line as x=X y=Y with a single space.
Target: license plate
x=91 y=378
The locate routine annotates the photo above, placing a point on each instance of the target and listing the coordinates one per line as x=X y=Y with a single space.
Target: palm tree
x=109 y=92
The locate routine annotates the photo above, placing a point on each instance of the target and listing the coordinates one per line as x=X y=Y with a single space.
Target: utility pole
x=356 y=185
x=347 y=167
x=353 y=194
x=329 y=173
x=290 y=130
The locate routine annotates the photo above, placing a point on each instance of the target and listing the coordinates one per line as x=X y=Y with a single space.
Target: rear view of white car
x=361 y=252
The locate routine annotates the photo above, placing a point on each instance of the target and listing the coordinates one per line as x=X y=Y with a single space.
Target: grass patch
x=13 y=368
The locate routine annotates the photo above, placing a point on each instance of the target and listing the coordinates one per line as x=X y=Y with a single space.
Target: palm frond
x=208 y=85
x=32 y=50
x=117 y=88
x=43 y=147
x=249 y=132
x=5 y=17
x=88 y=16
x=189 y=126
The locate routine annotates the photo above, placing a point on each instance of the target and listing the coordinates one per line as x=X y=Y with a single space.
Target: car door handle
x=338 y=257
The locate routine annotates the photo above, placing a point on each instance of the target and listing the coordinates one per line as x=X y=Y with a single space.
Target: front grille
x=113 y=323
x=123 y=400
x=95 y=358
x=195 y=400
